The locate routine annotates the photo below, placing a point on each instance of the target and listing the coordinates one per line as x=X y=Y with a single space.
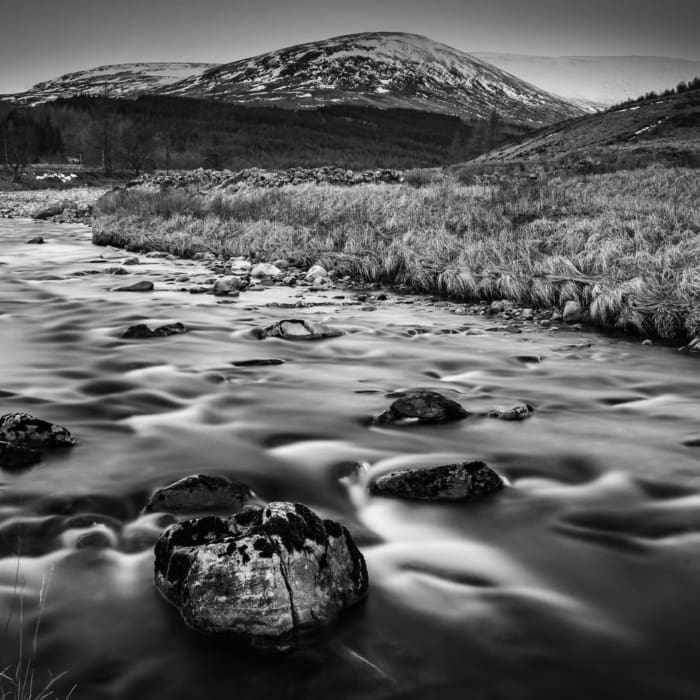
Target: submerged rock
x=300 y=329
x=23 y=428
x=142 y=286
x=421 y=406
x=451 y=482
x=197 y=494
x=516 y=413
x=14 y=456
x=141 y=330
x=37 y=240
x=265 y=575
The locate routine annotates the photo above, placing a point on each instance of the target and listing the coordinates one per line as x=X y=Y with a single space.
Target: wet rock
x=282 y=264
x=266 y=270
x=240 y=266
x=263 y=362
x=99 y=538
x=421 y=406
x=197 y=494
x=131 y=261
x=266 y=575
x=451 y=482
x=516 y=413
x=15 y=457
x=226 y=285
x=25 y=429
x=141 y=330
x=116 y=271
x=48 y=212
x=316 y=271
x=141 y=286
x=299 y=329
x=37 y=240
x=573 y=313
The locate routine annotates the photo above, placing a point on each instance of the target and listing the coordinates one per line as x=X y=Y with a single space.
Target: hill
x=665 y=128
x=375 y=69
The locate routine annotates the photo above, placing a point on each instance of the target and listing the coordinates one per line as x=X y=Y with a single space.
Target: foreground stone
x=299 y=329
x=516 y=413
x=421 y=406
x=25 y=429
x=141 y=330
x=266 y=575
x=198 y=494
x=451 y=482
x=14 y=456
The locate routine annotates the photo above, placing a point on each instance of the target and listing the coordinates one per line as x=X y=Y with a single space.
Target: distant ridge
x=596 y=81
x=379 y=69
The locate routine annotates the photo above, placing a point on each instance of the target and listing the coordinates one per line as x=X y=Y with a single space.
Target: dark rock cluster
x=256 y=177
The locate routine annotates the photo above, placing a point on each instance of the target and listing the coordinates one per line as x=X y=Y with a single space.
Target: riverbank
x=62 y=206
x=621 y=249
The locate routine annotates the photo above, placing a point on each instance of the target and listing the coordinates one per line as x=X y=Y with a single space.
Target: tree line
x=135 y=135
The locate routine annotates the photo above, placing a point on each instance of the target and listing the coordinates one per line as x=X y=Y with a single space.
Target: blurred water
x=580 y=579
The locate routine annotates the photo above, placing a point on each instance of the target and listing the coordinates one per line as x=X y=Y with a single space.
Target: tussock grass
x=624 y=244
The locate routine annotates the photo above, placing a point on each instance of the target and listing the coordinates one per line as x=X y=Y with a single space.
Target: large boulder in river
x=265 y=575
x=197 y=494
x=450 y=482
x=421 y=406
x=299 y=329
x=25 y=429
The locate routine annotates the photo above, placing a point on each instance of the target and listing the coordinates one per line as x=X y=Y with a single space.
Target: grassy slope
x=668 y=125
x=626 y=244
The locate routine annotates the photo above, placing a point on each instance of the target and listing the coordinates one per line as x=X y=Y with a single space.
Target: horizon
x=99 y=34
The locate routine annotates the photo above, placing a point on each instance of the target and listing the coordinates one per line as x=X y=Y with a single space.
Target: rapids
x=580 y=580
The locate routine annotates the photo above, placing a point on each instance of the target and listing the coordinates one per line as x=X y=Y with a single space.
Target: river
x=579 y=580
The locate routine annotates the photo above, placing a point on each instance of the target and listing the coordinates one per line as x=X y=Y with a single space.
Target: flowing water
x=580 y=579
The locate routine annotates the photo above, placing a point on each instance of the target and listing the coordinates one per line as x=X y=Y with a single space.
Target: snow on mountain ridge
x=381 y=69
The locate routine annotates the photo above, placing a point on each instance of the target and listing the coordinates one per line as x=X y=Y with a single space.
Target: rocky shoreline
x=66 y=206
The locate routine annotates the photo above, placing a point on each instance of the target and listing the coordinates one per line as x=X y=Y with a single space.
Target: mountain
x=596 y=82
x=379 y=69
x=666 y=128
x=119 y=80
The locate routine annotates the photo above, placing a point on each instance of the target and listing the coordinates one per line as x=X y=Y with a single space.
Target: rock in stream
x=265 y=576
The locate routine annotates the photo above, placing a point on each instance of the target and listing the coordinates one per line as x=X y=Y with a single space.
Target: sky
x=42 y=39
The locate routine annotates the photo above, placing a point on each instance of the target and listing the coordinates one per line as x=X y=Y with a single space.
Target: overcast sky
x=41 y=39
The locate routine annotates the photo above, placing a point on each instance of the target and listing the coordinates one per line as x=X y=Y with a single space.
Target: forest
x=136 y=135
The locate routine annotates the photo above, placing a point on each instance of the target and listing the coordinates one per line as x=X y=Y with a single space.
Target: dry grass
x=625 y=244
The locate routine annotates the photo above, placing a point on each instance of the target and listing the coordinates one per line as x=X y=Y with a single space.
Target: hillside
x=668 y=127
x=119 y=80
x=596 y=82
x=379 y=69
